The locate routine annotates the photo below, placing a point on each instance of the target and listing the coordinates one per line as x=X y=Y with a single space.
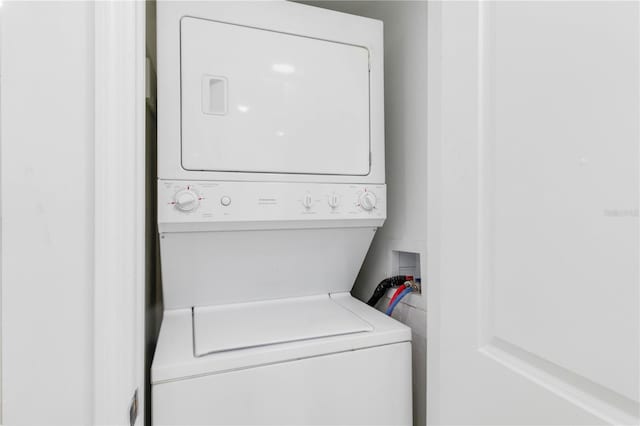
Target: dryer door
x=261 y=101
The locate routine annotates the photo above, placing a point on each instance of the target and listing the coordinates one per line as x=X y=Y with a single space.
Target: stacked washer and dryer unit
x=270 y=190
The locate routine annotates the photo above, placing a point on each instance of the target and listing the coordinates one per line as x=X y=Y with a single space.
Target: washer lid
x=247 y=325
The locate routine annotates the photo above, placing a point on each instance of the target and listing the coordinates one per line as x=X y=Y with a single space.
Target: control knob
x=186 y=200
x=367 y=200
x=334 y=200
x=307 y=201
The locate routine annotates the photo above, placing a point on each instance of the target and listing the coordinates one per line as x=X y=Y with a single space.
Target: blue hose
x=395 y=302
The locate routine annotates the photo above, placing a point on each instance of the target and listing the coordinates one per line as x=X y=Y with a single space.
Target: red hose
x=397 y=293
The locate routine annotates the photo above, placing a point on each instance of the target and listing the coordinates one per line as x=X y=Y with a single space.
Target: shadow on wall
x=153 y=285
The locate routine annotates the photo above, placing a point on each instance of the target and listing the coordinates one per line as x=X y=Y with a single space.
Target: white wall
x=47 y=202
x=405 y=45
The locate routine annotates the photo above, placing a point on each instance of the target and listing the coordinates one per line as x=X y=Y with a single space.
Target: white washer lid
x=247 y=325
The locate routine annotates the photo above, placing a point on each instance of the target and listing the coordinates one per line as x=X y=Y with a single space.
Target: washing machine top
x=255 y=324
x=202 y=341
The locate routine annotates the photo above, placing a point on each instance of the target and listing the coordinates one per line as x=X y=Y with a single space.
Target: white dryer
x=270 y=190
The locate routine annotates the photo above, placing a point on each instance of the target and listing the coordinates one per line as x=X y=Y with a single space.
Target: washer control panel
x=213 y=201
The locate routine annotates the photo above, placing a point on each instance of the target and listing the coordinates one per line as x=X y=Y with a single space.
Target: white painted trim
x=1 y=266
x=140 y=189
x=119 y=210
x=434 y=209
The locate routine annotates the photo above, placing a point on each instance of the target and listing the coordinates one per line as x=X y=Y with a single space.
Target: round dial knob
x=307 y=201
x=367 y=200
x=334 y=200
x=186 y=200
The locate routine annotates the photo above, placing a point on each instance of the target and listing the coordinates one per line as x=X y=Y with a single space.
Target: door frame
x=434 y=209
x=119 y=210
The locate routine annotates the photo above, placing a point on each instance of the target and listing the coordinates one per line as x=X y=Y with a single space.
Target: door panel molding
x=602 y=402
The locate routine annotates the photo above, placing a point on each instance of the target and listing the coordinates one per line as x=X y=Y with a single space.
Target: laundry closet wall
x=405 y=230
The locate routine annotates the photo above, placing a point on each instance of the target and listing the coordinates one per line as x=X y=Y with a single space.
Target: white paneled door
x=534 y=213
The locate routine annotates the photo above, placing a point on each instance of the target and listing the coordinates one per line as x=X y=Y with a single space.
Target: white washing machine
x=270 y=190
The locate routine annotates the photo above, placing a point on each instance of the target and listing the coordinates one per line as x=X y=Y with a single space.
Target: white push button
x=225 y=200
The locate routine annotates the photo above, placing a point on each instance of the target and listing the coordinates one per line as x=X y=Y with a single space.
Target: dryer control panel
x=218 y=205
